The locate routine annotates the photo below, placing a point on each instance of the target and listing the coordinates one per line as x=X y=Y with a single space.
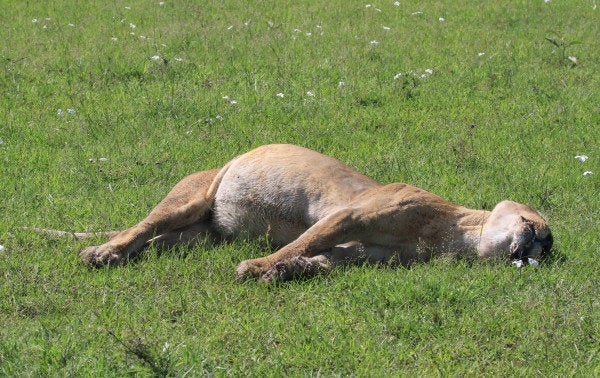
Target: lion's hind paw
x=101 y=255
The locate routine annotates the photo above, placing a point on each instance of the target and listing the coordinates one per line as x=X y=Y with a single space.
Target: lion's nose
x=547 y=244
x=520 y=252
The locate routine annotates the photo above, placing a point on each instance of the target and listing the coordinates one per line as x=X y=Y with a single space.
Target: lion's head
x=516 y=231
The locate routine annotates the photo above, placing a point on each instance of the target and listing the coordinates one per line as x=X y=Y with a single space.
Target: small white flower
x=308 y=34
x=34 y=20
x=587 y=173
x=442 y=19
x=72 y=25
x=280 y=95
x=522 y=263
x=128 y=8
x=219 y=117
x=102 y=159
x=378 y=10
x=233 y=102
x=226 y=98
x=161 y=3
x=71 y=111
x=397 y=76
x=481 y=54
x=374 y=43
x=45 y=26
x=310 y=94
x=342 y=84
x=60 y=112
x=532 y=262
x=114 y=38
x=1 y=142
x=297 y=30
x=386 y=27
x=179 y=59
x=397 y=3
x=133 y=26
x=2 y=248
x=142 y=37
x=546 y=1
x=247 y=22
x=573 y=59
x=429 y=71
x=155 y=57
x=581 y=158
x=368 y=6
x=230 y=27
x=416 y=13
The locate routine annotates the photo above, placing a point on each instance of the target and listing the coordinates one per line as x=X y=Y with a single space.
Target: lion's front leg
x=327 y=233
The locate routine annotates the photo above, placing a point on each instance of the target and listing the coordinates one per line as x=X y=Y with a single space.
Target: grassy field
x=105 y=105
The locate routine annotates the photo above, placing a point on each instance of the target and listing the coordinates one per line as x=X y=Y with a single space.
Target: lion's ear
x=528 y=222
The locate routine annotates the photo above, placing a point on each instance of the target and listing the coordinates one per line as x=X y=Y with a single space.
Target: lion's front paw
x=101 y=255
x=280 y=272
x=249 y=269
x=295 y=267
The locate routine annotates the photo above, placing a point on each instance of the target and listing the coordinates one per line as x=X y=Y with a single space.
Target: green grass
x=505 y=124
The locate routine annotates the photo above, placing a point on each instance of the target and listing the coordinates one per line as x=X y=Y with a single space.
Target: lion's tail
x=76 y=235
x=208 y=200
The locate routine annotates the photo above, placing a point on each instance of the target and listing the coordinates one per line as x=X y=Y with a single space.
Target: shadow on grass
x=158 y=361
x=555 y=257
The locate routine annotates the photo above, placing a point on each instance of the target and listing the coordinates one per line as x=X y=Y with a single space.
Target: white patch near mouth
x=522 y=263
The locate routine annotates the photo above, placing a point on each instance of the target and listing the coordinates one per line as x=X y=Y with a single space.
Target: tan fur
x=321 y=213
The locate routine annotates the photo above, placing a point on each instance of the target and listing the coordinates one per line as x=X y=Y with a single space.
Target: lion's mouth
x=536 y=247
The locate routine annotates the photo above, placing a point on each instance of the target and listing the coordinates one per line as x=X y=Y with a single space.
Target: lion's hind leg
x=186 y=205
x=201 y=232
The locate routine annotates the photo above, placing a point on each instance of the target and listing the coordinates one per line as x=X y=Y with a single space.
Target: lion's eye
x=530 y=225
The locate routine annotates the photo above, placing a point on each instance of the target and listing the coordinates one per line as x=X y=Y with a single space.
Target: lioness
x=321 y=213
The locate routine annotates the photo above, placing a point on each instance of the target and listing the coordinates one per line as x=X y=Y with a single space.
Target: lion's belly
x=282 y=190
x=240 y=220
x=249 y=206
